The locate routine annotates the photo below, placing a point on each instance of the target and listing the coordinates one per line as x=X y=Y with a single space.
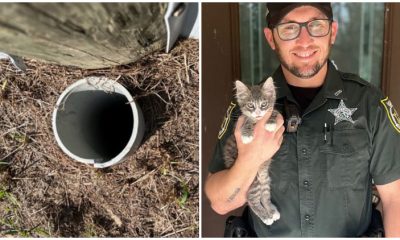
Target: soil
x=154 y=193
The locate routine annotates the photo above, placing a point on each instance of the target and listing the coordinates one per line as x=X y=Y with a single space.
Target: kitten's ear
x=269 y=88
x=240 y=87
x=269 y=84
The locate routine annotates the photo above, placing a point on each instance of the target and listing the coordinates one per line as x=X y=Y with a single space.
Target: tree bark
x=86 y=35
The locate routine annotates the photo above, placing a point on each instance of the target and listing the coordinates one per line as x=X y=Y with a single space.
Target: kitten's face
x=255 y=101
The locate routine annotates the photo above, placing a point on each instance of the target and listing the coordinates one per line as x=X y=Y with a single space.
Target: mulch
x=154 y=193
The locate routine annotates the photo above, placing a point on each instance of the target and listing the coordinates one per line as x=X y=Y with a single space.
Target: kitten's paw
x=268 y=221
x=270 y=127
x=272 y=219
x=274 y=215
x=247 y=139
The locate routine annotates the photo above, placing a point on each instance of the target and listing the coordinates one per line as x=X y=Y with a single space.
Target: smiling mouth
x=305 y=54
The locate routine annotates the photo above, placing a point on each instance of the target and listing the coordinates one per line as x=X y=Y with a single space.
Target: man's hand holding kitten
x=264 y=144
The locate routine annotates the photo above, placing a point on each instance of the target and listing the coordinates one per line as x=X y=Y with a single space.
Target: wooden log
x=86 y=35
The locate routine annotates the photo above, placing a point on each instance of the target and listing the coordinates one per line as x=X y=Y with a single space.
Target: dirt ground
x=155 y=192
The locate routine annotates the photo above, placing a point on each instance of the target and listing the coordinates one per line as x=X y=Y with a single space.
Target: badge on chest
x=342 y=113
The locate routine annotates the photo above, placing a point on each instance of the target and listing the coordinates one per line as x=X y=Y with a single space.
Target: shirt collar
x=332 y=87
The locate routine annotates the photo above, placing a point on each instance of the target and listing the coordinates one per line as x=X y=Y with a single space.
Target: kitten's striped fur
x=254 y=102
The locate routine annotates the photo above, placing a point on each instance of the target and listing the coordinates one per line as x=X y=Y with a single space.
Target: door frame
x=390 y=83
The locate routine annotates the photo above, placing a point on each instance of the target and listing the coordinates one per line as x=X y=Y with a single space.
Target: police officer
x=348 y=139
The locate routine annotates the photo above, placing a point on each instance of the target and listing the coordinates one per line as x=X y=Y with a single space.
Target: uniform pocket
x=347 y=159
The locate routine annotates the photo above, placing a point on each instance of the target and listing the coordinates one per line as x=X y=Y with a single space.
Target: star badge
x=342 y=113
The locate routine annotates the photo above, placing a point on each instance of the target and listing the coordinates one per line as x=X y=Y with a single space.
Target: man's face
x=305 y=55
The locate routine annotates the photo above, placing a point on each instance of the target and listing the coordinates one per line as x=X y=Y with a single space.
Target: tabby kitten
x=254 y=102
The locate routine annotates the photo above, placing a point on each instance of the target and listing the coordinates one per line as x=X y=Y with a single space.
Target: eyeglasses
x=291 y=30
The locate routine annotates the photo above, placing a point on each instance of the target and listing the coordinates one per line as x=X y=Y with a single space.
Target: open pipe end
x=96 y=121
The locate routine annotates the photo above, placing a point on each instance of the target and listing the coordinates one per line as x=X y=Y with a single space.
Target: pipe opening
x=97 y=126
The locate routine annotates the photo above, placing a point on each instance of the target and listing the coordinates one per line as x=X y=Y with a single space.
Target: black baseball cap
x=276 y=11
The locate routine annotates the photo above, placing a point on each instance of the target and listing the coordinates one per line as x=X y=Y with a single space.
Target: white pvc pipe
x=96 y=121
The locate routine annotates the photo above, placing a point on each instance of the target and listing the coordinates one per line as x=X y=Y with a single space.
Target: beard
x=296 y=71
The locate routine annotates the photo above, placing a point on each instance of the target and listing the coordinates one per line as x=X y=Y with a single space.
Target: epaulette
x=353 y=77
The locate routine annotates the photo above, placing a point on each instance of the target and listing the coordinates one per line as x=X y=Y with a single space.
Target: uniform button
x=306 y=183
x=307 y=217
x=304 y=151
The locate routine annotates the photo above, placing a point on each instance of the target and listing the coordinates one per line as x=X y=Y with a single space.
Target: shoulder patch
x=226 y=121
x=391 y=113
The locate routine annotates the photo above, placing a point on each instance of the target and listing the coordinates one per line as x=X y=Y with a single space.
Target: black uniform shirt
x=323 y=188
